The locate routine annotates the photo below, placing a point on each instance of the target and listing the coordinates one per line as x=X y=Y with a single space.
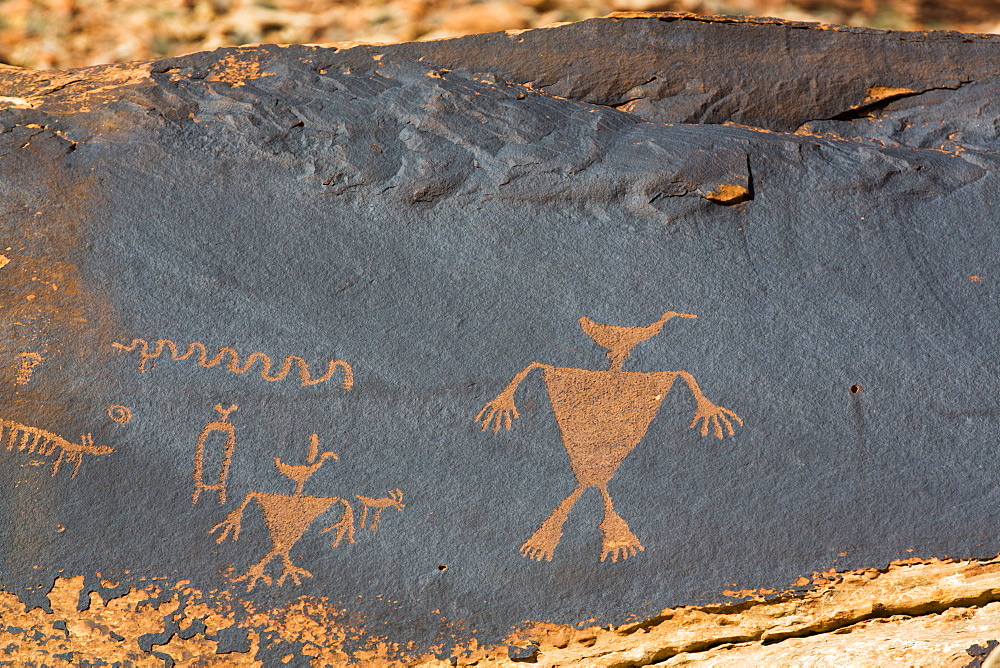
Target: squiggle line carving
x=45 y=442
x=234 y=361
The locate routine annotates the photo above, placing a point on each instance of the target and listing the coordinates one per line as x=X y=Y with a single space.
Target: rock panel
x=472 y=349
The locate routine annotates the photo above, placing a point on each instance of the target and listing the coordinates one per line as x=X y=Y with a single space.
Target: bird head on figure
x=620 y=340
x=300 y=473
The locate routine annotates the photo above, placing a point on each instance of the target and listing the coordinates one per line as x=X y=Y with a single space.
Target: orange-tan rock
x=917 y=614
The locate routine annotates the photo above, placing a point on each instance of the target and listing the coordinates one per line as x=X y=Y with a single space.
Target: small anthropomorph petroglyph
x=602 y=416
x=26 y=367
x=289 y=515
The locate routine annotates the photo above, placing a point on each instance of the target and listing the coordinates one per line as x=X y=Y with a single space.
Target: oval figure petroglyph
x=222 y=425
x=234 y=365
x=602 y=416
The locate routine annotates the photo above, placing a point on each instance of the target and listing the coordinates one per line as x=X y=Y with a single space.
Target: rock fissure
x=869 y=110
x=914 y=36
x=61 y=86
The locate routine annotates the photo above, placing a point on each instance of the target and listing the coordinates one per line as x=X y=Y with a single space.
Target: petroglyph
x=394 y=500
x=234 y=365
x=120 y=414
x=224 y=426
x=287 y=517
x=23 y=438
x=602 y=416
x=26 y=367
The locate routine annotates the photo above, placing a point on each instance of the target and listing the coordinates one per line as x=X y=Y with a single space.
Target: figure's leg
x=543 y=542
x=55 y=467
x=618 y=540
x=256 y=572
x=290 y=570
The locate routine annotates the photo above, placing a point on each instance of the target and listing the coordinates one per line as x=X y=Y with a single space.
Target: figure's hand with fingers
x=231 y=523
x=499 y=412
x=718 y=418
x=345 y=525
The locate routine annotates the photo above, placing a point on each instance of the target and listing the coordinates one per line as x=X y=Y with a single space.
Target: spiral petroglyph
x=120 y=414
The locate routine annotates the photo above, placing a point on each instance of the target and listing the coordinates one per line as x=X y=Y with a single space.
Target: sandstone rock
x=73 y=33
x=262 y=294
x=948 y=639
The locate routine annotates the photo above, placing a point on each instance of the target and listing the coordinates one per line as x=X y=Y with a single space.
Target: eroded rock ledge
x=929 y=609
x=922 y=613
x=909 y=89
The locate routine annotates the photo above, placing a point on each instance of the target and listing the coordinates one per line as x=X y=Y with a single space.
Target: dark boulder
x=209 y=259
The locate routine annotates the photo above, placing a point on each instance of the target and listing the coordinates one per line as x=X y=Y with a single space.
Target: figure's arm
x=708 y=413
x=233 y=521
x=344 y=525
x=502 y=410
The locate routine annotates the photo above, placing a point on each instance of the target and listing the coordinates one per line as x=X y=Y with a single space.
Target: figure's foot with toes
x=543 y=542
x=541 y=545
x=254 y=574
x=292 y=571
x=619 y=551
x=618 y=542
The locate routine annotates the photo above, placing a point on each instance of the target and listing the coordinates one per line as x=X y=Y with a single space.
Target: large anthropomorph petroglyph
x=602 y=416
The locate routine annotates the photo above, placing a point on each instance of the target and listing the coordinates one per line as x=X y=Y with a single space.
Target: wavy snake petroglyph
x=145 y=356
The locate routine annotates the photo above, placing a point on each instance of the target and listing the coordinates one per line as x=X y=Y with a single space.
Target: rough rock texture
x=46 y=34
x=951 y=638
x=264 y=294
x=916 y=614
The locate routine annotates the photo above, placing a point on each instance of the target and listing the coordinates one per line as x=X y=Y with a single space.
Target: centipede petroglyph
x=234 y=365
x=34 y=440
